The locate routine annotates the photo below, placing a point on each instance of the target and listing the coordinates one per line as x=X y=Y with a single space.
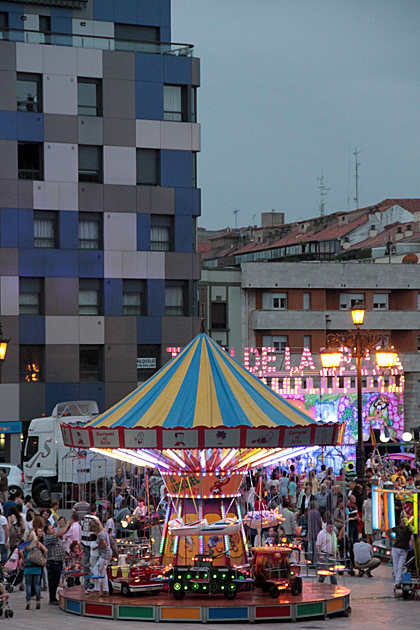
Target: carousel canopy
x=202 y=399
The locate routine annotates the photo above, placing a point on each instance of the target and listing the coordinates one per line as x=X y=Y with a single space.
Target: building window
x=90 y=164
x=274 y=301
x=418 y=301
x=307 y=341
x=45 y=28
x=348 y=300
x=30 y=296
x=30 y=155
x=136 y=38
x=380 y=301
x=219 y=316
x=148 y=362
x=90 y=363
x=134 y=297
x=31 y=364
x=90 y=296
x=89 y=97
x=194 y=169
x=29 y=92
x=161 y=233
x=174 y=103
x=278 y=342
x=90 y=230
x=4 y=24
x=45 y=229
x=148 y=168
x=175 y=298
x=306 y=301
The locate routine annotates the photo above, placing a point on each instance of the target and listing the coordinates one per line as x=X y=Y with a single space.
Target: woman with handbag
x=34 y=558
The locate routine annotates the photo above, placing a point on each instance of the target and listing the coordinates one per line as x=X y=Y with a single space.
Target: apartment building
x=98 y=201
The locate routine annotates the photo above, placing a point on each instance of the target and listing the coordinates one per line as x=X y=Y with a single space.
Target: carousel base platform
x=316 y=600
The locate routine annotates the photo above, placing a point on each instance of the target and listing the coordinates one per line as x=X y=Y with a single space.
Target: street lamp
x=3 y=348
x=359 y=342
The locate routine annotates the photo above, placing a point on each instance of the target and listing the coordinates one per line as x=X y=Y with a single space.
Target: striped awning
x=202 y=398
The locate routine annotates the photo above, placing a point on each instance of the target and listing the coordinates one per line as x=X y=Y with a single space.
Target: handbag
x=35 y=556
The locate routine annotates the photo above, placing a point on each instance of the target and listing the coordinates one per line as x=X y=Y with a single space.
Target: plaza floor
x=372 y=601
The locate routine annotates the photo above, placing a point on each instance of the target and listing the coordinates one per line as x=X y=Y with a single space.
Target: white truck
x=51 y=468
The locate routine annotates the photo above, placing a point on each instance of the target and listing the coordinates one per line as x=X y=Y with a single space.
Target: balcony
x=96 y=41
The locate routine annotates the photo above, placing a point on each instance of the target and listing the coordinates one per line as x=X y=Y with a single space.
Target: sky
x=289 y=88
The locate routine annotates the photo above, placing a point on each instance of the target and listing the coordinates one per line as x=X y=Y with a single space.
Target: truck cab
x=49 y=465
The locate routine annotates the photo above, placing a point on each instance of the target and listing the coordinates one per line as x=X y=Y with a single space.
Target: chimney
x=399 y=234
x=373 y=231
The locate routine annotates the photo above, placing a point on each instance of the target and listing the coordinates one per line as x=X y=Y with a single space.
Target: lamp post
x=359 y=342
x=3 y=348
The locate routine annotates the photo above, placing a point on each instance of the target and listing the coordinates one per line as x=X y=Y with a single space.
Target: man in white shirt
x=326 y=545
x=363 y=558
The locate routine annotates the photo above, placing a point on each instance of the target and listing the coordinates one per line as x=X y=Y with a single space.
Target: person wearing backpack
x=33 y=570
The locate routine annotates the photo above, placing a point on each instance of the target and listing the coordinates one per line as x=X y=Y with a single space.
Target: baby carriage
x=4 y=604
x=13 y=571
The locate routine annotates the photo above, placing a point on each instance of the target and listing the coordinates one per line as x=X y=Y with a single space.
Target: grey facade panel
x=121 y=330
x=196 y=260
x=114 y=392
x=144 y=199
x=120 y=362
x=7 y=56
x=119 y=98
x=8 y=159
x=31 y=401
x=60 y=128
x=162 y=200
x=119 y=65
x=119 y=198
x=91 y=197
x=119 y=132
x=62 y=296
x=90 y=130
x=195 y=72
x=61 y=363
x=9 y=259
x=178 y=266
x=176 y=331
x=8 y=89
x=8 y=190
x=25 y=194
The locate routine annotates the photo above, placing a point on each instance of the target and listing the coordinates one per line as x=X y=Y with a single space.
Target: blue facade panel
x=103 y=10
x=183 y=201
x=58 y=392
x=143 y=232
x=61 y=12
x=32 y=329
x=69 y=230
x=91 y=263
x=149 y=100
x=60 y=263
x=93 y=391
x=155 y=298
x=26 y=227
x=149 y=67
x=176 y=168
x=196 y=202
x=148 y=12
x=125 y=11
x=183 y=233
x=165 y=14
x=32 y=262
x=113 y=297
x=8 y=125
x=30 y=127
x=177 y=70
x=9 y=227
x=15 y=21
x=61 y=25
x=149 y=330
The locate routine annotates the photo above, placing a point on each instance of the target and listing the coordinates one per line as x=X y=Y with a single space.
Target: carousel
x=204 y=422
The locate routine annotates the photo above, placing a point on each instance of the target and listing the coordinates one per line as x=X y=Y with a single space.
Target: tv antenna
x=357 y=164
x=322 y=193
x=235 y=212
x=253 y=219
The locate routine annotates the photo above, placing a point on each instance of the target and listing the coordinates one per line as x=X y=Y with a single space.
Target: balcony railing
x=100 y=42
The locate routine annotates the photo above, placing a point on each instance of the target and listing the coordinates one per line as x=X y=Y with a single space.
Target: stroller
x=4 y=604
x=13 y=571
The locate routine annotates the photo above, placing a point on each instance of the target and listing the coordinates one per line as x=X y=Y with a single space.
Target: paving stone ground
x=373 y=608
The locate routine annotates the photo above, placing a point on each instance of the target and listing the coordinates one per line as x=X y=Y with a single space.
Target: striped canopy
x=202 y=398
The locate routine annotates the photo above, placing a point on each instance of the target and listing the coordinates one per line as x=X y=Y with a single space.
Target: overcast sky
x=288 y=87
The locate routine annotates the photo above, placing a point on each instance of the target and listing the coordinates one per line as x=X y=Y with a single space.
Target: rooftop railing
x=100 y=42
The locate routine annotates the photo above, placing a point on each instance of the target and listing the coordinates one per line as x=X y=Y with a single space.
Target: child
x=94 y=552
x=74 y=563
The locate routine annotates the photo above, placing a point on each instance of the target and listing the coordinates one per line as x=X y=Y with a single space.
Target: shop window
x=31 y=364
x=91 y=363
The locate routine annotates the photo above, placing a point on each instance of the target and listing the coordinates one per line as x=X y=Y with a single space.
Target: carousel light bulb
x=383 y=438
x=406 y=436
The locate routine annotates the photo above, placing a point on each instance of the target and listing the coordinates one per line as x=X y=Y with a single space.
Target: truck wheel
x=41 y=494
